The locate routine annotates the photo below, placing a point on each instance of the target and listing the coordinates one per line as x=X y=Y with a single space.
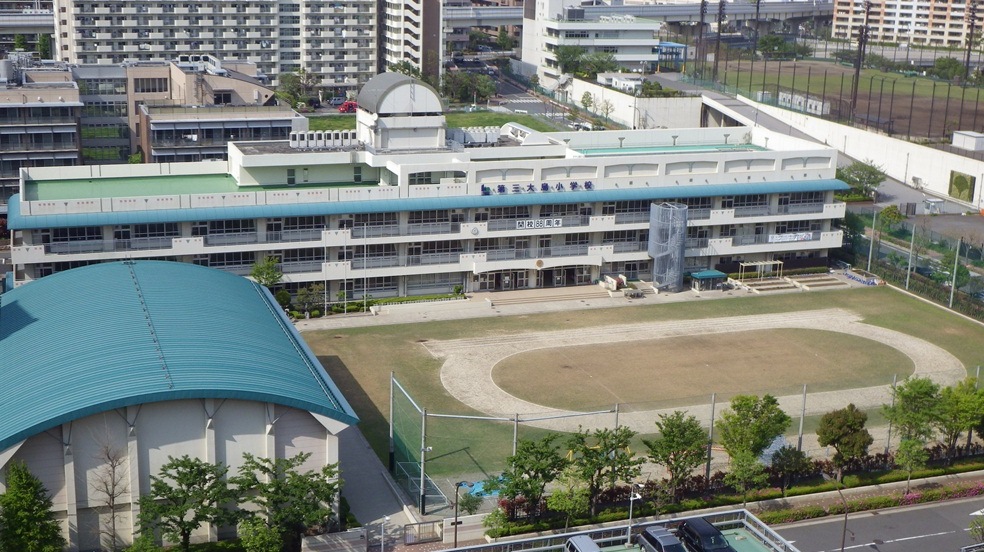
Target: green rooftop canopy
x=117 y=334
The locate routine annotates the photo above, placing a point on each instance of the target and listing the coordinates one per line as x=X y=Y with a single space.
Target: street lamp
x=844 y=501
x=633 y=496
x=456 y=523
x=382 y=534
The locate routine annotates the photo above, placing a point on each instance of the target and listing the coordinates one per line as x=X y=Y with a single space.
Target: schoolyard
x=571 y=361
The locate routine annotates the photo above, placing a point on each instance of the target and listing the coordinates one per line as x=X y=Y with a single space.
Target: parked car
x=701 y=536
x=348 y=107
x=337 y=101
x=658 y=539
x=582 y=126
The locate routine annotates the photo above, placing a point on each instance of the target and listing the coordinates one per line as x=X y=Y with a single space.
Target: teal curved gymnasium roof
x=117 y=334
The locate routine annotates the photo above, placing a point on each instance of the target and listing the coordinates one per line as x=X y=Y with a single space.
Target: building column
x=133 y=469
x=210 y=457
x=71 y=507
x=271 y=420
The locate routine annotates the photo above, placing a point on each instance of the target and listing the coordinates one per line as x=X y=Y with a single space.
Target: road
x=939 y=527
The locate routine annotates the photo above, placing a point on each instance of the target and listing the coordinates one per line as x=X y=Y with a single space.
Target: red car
x=348 y=107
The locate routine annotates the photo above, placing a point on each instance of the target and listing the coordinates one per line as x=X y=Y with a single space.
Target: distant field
x=361 y=359
x=455 y=120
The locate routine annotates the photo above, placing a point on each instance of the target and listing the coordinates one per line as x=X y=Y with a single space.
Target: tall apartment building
x=412 y=30
x=922 y=22
x=336 y=41
x=398 y=206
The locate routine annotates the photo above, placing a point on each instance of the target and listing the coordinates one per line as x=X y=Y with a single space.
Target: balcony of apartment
x=763 y=243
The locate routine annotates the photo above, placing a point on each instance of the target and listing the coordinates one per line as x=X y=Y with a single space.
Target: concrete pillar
x=210 y=456
x=71 y=506
x=133 y=468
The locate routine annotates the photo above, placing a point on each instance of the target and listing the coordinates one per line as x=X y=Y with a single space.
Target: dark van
x=658 y=539
x=701 y=536
x=581 y=543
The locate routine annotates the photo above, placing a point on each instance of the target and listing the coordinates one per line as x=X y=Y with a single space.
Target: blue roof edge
x=18 y=221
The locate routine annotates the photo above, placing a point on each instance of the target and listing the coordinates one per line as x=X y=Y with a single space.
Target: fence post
x=423 y=459
x=888 y=442
x=392 y=451
x=912 y=245
x=515 y=432
x=710 y=440
x=799 y=441
x=616 y=415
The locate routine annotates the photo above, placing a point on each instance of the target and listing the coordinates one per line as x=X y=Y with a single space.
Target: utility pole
x=717 y=41
x=862 y=42
x=700 y=38
x=971 y=18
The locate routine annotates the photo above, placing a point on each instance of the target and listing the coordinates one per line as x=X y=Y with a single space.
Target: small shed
x=707 y=279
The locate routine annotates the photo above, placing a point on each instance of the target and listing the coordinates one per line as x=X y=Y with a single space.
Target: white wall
x=901 y=160
x=632 y=112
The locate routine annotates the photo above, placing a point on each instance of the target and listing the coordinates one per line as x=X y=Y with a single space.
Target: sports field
x=774 y=358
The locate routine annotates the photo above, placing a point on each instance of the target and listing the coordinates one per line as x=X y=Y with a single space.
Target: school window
x=161 y=230
x=291 y=177
x=357 y=173
x=496 y=213
x=76 y=234
x=149 y=85
x=231 y=226
x=428 y=217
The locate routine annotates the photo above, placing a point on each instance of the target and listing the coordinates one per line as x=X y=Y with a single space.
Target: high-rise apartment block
x=921 y=22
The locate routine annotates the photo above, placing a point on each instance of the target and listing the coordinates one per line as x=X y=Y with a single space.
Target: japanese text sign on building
x=545 y=187
x=535 y=224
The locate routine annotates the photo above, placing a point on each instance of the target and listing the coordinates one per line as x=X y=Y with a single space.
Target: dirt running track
x=468 y=365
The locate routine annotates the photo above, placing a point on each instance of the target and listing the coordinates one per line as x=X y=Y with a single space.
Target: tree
x=587 y=101
x=680 y=447
x=186 y=494
x=503 y=40
x=947 y=68
x=844 y=430
x=960 y=408
x=535 y=82
x=945 y=276
x=257 y=537
x=20 y=42
x=529 y=471
x=751 y=424
x=283 y=298
x=289 y=89
x=27 y=523
x=853 y=227
x=267 y=272
x=597 y=62
x=890 y=217
x=111 y=481
x=911 y=456
x=789 y=463
x=746 y=474
x=569 y=58
x=863 y=177
x=605 y=108
x=405 y=67
x=772 y=46
x=915 y=408
x=289 y=500
x=469 y=503
x=602 y=456
x=44 y=46
x=572 y=496
x=308 y=297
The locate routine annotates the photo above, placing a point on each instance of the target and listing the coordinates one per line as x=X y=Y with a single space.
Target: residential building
x=919 y=22
x=398 y=205
x=412 y=31
x=334 y=41
x=154 y=360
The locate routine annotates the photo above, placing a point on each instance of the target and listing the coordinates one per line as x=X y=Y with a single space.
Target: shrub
x=315 y=313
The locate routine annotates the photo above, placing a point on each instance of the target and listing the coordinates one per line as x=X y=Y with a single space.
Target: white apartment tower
x=336 y=41
x=922 y=22
x=411 y=30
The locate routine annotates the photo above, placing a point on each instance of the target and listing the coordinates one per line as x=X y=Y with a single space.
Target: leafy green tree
x=751 y=424
x=864 y=177
x=853 y=227
x=680 y=446
x=789 y=463
x=267 y=272
x=405 y=67
x=890 y=217
x=27 y=523
x=571 y=497
x=528 y=472
x=773 y=46
x=283 y=298
x=289 y=88
x=44 y=46
x=308 y=297
x=288 y=499
x=911 y=456
x=746 y=474
x=255 y=536
x=535 y=82
x=569 y=58
x=915 y=408
x=960 y=407
x=587 y=100
x=503 y=40
x=976 y=528
x=945 y=276
x=597 y=62
x=20 y=42
x=604 y=456
x=467 y=87
x=186 y=494
x=947 y=68
x=844 y=430
x=469 y=503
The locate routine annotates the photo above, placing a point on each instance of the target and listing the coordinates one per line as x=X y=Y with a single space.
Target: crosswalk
x=523 y=100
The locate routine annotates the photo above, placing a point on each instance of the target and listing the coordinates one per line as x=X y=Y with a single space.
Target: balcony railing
x=629 y=247
x=78 y=246
x=776 y=238
x=291 y=267
x=513 y=224
x=698 y=214
x=235 y=238
x=801 y=209
x=163 y=242
x=630 y=218
x=508 y=254
x=696 y=243
x=432 y=259
x=753 y=211
x=376 y=262
x=433 y=228
x=310 y=234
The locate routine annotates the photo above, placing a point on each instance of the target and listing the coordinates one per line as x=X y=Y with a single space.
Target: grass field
x=454 y=119
x=361 y=359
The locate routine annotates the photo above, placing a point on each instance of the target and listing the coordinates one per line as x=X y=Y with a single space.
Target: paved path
x=467 y=370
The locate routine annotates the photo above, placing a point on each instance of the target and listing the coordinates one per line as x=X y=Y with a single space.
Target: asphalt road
x=937 y=527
